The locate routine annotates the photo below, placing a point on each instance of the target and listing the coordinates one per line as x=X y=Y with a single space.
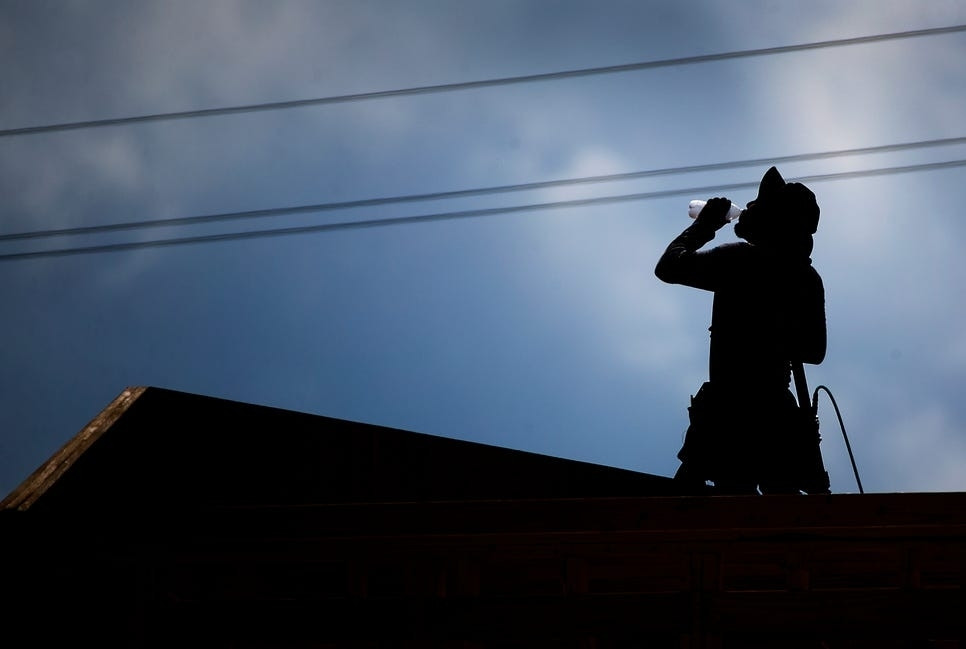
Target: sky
x=540 y=330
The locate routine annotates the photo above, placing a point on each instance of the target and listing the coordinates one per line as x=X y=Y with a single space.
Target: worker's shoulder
x=735 y=250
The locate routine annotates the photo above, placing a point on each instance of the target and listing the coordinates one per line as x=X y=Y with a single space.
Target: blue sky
x=538 y=330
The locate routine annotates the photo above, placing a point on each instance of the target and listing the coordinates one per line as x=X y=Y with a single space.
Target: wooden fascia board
x=27 y=493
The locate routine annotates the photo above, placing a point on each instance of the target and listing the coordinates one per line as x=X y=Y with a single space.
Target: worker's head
x=783 y=214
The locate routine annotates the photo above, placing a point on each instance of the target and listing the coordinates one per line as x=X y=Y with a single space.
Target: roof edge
x=27 y=493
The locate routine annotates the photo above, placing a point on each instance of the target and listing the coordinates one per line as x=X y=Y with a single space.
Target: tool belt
x=758 y=437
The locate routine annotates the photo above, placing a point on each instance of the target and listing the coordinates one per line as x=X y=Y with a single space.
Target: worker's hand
x=714 y=215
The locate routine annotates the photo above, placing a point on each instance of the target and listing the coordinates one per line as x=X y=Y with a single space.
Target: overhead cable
x=483 y=83
x=481 y=191
x=462 y=214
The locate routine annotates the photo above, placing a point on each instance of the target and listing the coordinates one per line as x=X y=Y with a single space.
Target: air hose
x=838 y=414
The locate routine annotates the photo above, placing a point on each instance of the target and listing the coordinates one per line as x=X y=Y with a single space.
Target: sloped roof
x=155 y=449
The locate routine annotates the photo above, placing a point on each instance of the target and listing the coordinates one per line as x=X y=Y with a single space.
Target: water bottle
x=694 y=208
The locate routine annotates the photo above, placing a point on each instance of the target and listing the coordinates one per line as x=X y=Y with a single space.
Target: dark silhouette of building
x=181 y=520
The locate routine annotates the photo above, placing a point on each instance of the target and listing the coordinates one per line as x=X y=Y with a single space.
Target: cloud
x=604 y=257
x=924 y=450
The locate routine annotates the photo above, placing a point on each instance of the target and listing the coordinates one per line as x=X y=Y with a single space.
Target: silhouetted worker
x=746 y=430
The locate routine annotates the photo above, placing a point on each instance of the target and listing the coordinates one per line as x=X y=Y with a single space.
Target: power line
x=452 y=215
x=462 y=193
x=484 y=83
